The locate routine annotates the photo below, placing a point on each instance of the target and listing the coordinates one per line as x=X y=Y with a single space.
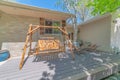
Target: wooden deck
x=86 y=66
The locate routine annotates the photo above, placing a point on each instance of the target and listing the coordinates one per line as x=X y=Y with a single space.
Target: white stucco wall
x=97 y=32
x=14 y=28
x=115 y=30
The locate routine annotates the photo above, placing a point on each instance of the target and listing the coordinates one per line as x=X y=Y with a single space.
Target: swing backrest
x=48 y=44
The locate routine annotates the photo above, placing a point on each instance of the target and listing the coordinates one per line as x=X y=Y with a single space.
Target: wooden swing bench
x=48 y=45
x=45 y=46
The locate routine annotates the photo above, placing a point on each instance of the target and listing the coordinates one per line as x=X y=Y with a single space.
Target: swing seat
x=49 y=46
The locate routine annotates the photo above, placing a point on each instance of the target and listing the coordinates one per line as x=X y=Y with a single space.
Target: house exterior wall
x=14 y=28
x=97 y=32
x=115 y=30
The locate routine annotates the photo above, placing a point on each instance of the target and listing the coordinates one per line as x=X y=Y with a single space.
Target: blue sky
x=49 y=4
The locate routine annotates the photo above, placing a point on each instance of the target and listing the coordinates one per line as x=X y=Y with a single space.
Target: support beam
x=25 y=47
x=30 y=41
x=23 y=54
x=54 y=27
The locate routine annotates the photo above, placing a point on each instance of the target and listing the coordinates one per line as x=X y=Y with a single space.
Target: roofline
x=35 y=8
x=94 y=19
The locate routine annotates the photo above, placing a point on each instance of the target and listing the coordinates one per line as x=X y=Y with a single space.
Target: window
x=48 y=30
x=51 y=30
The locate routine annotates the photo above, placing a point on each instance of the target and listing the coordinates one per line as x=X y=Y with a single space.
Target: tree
x=78 y=8
x=103 y=6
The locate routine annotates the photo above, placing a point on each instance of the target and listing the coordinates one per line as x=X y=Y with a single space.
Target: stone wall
x=14 y=28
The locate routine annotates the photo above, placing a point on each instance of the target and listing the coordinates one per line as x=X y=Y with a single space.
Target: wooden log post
x=70 y=46
x=66 y=37
x=24 y=49
x=63 y=28
x=30 y=40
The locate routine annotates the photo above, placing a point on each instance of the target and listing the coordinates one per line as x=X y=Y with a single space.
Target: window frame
x=53 y=21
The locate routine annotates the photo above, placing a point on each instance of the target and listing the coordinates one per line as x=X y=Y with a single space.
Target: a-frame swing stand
x=28 y=43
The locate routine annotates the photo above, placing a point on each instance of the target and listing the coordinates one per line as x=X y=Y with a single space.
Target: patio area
x=86 y=66
x=52 y=32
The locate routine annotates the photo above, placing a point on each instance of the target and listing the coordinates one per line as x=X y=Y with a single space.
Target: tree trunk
x=75 y=29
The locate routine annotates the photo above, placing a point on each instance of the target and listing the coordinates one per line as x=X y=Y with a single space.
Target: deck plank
x=86 y=66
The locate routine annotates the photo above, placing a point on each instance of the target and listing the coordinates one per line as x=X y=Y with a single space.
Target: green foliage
x=57 y=24
x=103 y=6
x=119 y=15
x=77 y=7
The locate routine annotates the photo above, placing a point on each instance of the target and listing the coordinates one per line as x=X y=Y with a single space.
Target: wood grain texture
x=48 y=44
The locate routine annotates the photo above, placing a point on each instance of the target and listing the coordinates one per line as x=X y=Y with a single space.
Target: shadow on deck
x=86 y=66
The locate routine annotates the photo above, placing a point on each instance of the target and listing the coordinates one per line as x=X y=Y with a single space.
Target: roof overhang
x=25 y=10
